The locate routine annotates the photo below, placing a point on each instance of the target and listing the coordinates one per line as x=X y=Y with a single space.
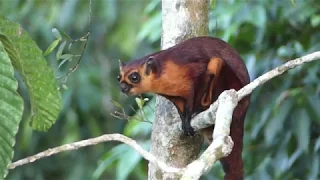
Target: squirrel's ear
x=150 y=65
x=121 y=64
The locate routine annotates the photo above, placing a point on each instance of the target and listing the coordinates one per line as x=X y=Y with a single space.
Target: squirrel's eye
x=134 y=77
x=119 y=78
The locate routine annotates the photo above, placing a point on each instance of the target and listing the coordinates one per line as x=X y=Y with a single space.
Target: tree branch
x=94 y=141
x=207 y=118
x=222 y=143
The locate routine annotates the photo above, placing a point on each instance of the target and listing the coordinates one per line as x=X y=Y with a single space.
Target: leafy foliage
x=10 y=111
x=41 y=84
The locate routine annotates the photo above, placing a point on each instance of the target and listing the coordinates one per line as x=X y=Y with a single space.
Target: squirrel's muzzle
x=125 y=88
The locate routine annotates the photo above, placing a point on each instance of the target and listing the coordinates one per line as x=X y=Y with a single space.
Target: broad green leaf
x=11 y=108
x=39 y=78
x=11 y=50
x=52 y=46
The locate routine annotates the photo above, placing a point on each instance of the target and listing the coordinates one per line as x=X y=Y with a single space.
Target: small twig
x=74 y=68
x=120 y=115
x=123 y=115
x=94 y=141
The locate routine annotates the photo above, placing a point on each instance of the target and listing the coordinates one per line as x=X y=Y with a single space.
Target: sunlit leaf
x=52 y=46
x=11 y=108
x=140 y=102
x=64 y=86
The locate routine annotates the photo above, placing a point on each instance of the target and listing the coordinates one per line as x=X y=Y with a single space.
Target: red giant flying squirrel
x=192 y=74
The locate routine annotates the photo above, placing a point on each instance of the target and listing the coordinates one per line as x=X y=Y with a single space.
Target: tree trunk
x=181 y=19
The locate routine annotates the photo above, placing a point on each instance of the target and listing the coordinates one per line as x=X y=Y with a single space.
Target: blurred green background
x=283 y=124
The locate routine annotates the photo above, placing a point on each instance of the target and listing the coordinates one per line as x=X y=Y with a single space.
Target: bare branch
x=221 y=145
x=207 y=118
x=276 y=72
x=94 y=141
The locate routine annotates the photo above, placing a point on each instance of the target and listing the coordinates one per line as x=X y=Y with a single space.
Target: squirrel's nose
x=125 y=88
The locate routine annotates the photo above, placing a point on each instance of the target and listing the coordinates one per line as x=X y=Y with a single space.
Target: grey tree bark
x=181 y=19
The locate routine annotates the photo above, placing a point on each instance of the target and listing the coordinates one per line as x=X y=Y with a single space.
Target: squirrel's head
x=136 y=77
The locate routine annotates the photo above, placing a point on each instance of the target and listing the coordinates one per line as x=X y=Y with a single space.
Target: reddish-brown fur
x=192 y=75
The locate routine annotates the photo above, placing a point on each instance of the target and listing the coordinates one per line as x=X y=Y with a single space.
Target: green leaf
x=60 y=49
x=275 y=125
x=39 y=78
x=11 y=50
x=64 y=86
x=62 y=62
x=317 y=144
x=116 y=104
x=109 y=158
x=65 y=35
x=301 y=128
x=52 y=46
x=213 y=4
x=293 y=3
x=65 y=57
x=128 y=161
x=11 y=108
x=140 y=102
